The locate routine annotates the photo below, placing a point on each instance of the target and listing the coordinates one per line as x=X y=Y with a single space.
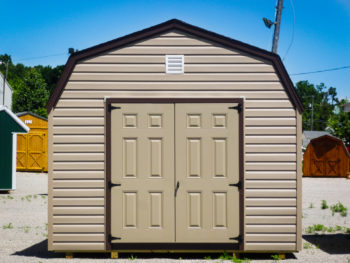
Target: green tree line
x=323 y=110
x=32 y=87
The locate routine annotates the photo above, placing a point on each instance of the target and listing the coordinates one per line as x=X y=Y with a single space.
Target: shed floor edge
x=177 y=251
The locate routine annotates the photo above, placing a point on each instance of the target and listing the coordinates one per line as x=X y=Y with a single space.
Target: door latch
x=239 y=185
x=111 y=238
x=238 y=108
x=110 y=184
x=110 y=107
x=177 y=187
x=238 y=238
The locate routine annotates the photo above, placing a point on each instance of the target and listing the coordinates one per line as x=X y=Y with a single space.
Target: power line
x=293 y=30
x=47 y=56
x=320 y=71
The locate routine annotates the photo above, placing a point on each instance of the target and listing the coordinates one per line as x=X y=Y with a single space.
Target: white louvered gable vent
x=174 y=64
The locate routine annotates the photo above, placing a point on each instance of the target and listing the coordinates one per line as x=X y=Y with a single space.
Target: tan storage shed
x=174 y=138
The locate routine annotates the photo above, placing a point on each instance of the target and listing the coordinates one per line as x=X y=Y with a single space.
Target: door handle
x=177 y=187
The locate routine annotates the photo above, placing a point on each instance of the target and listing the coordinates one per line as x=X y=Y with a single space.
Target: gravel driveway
x=23 y=227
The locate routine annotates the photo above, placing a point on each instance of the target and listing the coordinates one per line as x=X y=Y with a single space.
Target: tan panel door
x=142 y=162
x=207 y=208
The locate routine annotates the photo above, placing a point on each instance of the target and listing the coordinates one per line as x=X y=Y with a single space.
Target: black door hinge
x=110 y=107
x=238 y=107
x=111 y=238
x=239 y=238
x=110 y=184
x=239 y=185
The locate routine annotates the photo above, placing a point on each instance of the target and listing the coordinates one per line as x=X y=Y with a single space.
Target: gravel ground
x=23 y=227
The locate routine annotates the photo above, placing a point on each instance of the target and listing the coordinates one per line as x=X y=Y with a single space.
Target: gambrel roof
x=170 y=25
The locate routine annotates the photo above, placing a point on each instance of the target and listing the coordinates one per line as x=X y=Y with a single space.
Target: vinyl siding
x=77 y=195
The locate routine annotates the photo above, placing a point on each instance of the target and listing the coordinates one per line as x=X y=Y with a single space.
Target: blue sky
x=40 y=32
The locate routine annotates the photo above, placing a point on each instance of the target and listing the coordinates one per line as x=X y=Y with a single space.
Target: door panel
x=317 y=167
x=142 y=161
x=21 y=151
x=207 y=208
x=332 y=167
x=36 y=151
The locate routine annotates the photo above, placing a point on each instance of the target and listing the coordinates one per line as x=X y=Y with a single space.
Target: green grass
x=339 y=208
x=275 y=257
x=321 y=228
x=311 y=205
x=132 y=257
x=26 y=229
x=324 y=204
x=226 y=256
x=307 y=245
x=9 y=226
x=330 y=229
x=338 y=228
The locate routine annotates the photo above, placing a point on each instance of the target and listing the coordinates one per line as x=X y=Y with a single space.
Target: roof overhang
x=19 y=114
x=15 y=118
x=175 y=24
x=332 y=138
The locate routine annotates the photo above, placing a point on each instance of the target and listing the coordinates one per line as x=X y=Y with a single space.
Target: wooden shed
x=10 y=126
x=174 y=138
x=32 y=147
x=326 y=156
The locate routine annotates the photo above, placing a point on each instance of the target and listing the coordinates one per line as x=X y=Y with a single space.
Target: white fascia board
x=14 y=159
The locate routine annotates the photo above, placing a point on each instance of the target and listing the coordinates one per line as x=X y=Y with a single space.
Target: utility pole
x=312 y=113
x=268 y=23
x=277 y=23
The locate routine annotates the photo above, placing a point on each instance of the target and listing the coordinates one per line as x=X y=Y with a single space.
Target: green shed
x=10 y=125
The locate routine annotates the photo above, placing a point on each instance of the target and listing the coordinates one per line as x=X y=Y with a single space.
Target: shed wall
x=8 y=93
x=77 y=196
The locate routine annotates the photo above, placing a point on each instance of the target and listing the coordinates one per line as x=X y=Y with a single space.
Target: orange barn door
x=22 y=151
x=37 y=155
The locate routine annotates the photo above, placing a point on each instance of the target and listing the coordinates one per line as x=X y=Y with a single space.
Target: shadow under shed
x=38 y=250
x=330 y=243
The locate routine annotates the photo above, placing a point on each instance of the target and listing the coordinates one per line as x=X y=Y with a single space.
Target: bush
x=339 y=208
x=324 y=204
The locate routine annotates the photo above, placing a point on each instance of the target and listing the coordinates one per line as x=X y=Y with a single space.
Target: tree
x=339 y=123
x=319 y=103
x=27 y=84
x=50 y=75
x=31 y=94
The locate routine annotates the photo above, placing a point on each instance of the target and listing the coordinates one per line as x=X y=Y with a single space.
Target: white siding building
x=8 y=93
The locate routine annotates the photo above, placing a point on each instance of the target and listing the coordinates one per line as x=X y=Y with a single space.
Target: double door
x=174 y=167
x=32 y=152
